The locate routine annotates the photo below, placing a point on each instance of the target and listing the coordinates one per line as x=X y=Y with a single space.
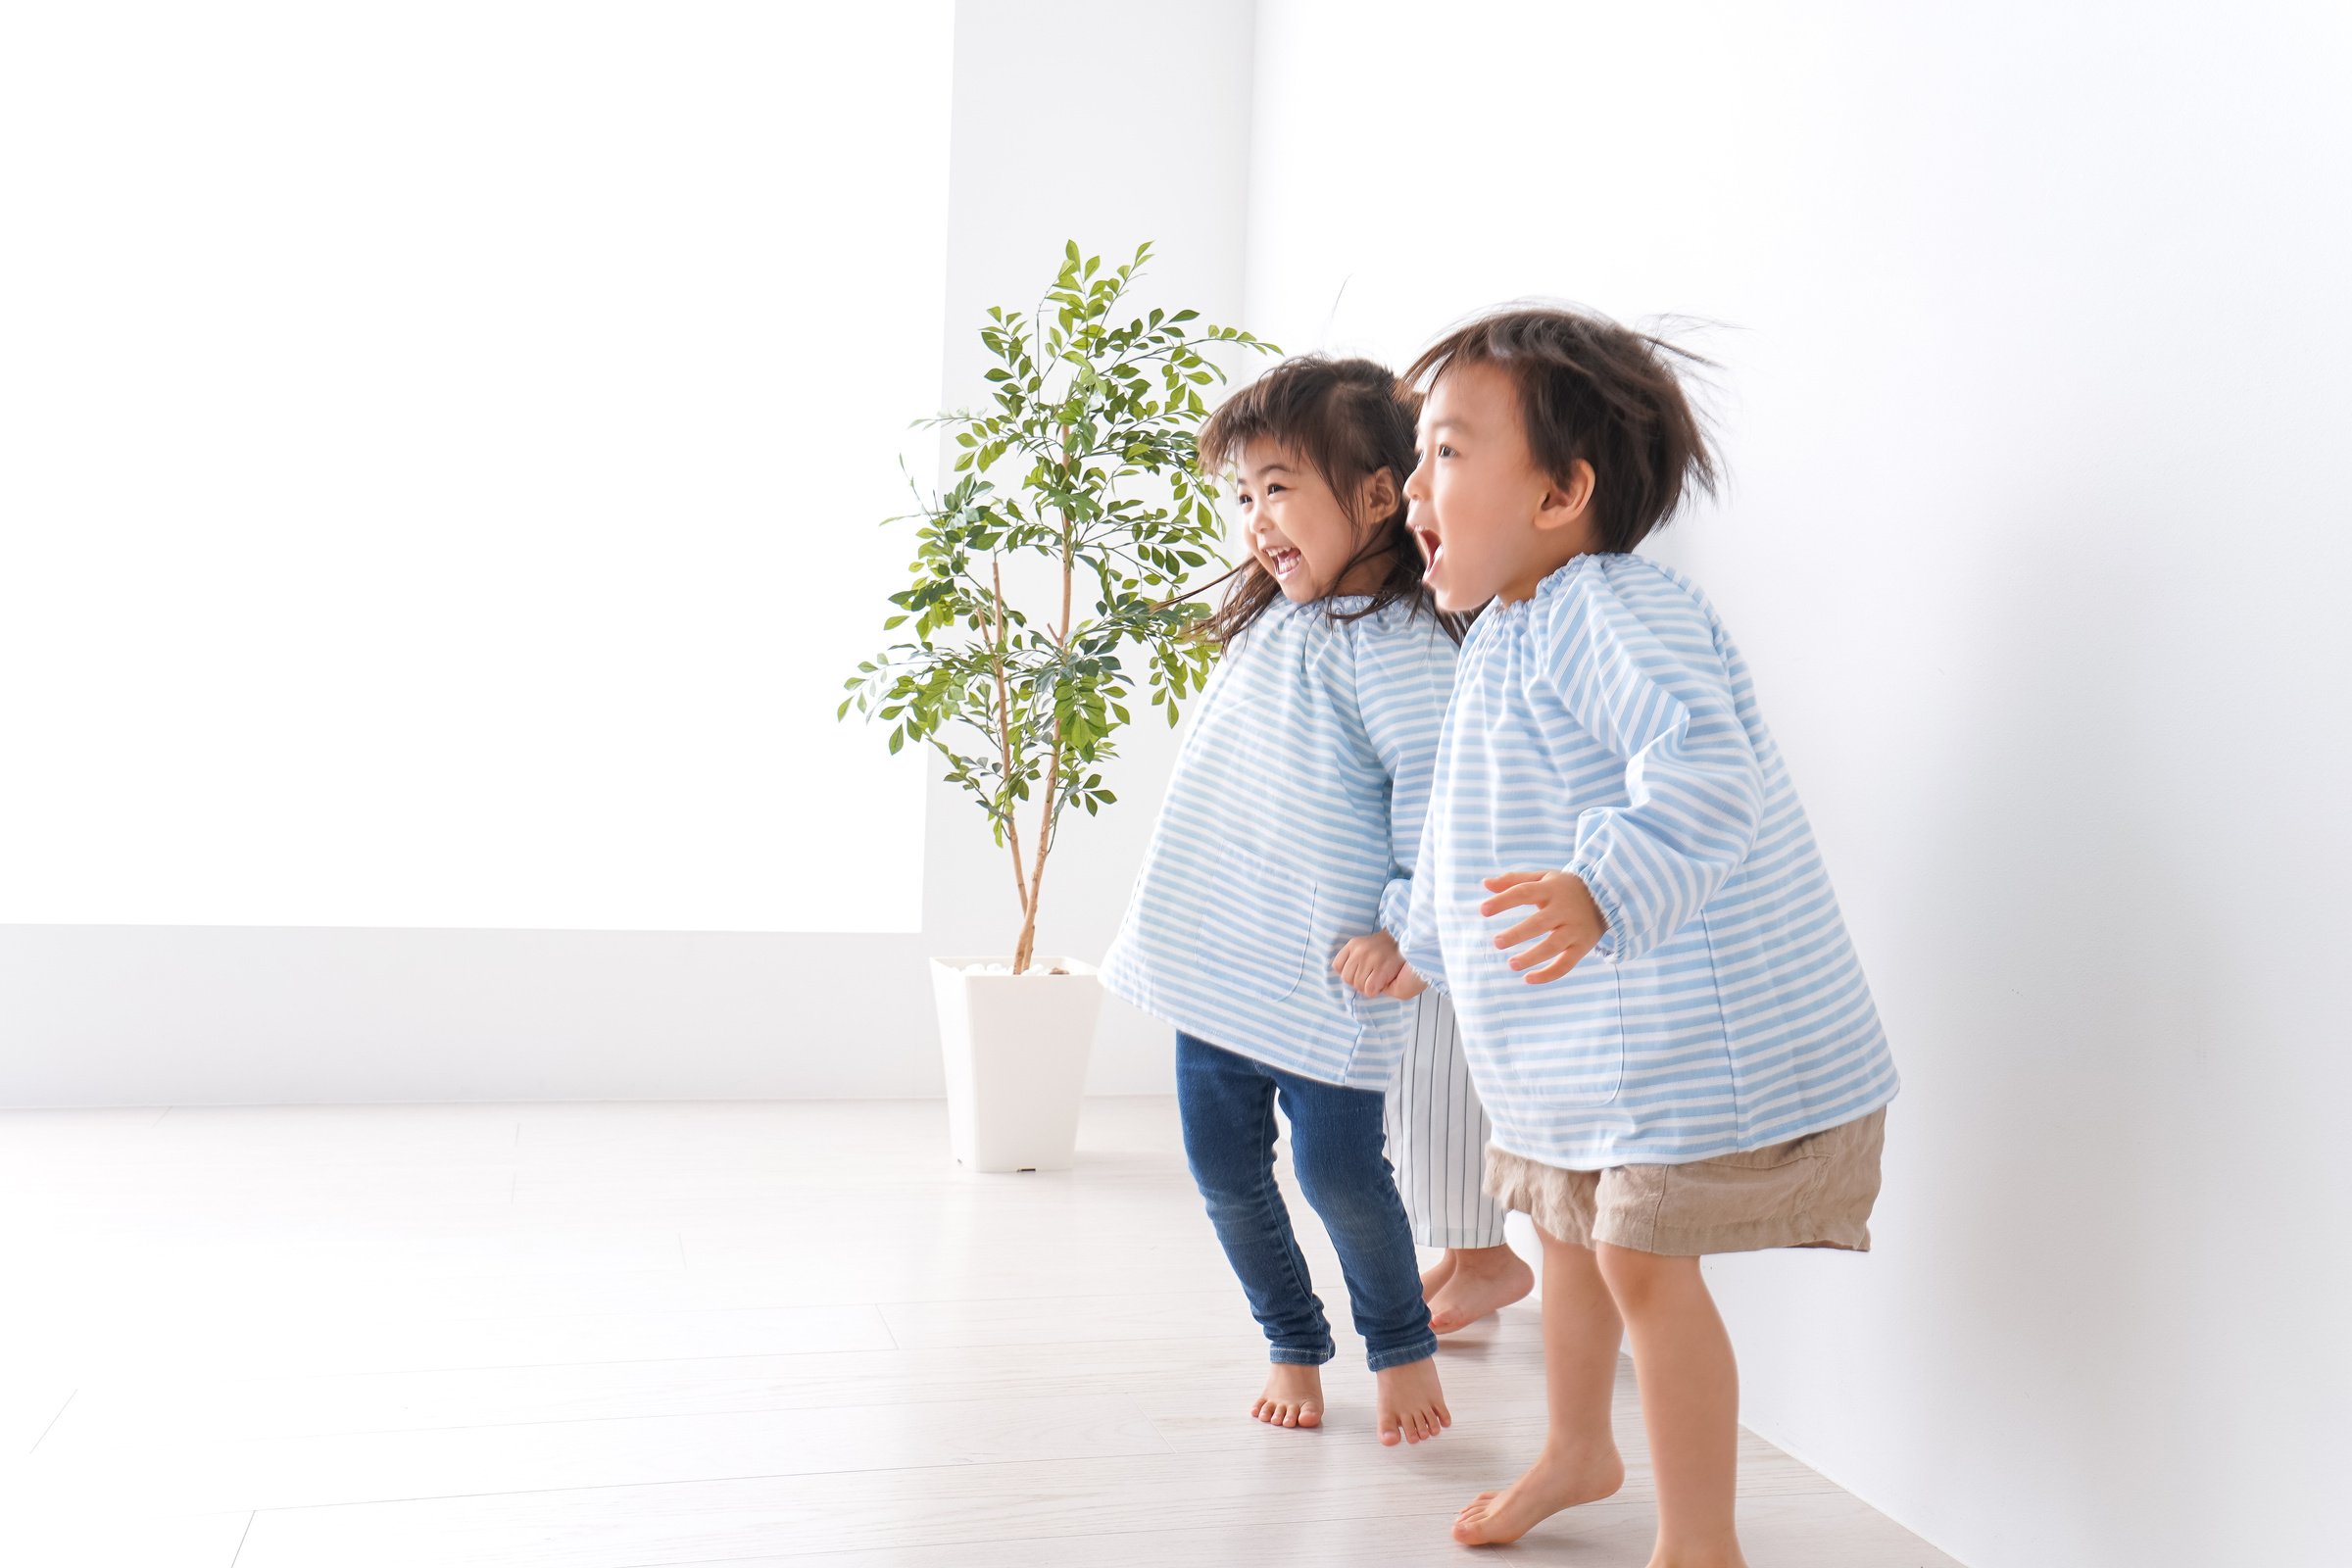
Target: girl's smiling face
x=1297 y=527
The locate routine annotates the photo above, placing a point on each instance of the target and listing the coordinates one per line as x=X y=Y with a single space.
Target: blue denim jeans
x=1337 y=1148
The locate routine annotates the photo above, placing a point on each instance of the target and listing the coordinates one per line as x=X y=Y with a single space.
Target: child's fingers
x=1524 y=893
x=1383 y=975
x=1559 y=967
x=1543 y=952
x=1511 y=879
x=1541 y=922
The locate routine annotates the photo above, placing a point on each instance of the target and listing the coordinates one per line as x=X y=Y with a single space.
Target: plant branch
x=1012 y=821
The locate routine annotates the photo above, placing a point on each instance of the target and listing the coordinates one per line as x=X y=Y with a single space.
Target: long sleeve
x=1403 y=678
x=1415 y=928
x=1662 y=699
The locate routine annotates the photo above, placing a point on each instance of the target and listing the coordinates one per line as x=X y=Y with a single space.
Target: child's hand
x=1566 y=918
x=1407 y=985
x=1370 y=963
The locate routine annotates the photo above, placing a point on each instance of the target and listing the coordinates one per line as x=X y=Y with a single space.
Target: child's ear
x=1567 y=503
x=1376 y=497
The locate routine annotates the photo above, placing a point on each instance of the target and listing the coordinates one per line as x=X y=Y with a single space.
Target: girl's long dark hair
x=1349 y=420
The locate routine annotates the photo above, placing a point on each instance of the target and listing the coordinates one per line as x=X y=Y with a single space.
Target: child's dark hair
x=1348 y=419
x=1592 y=390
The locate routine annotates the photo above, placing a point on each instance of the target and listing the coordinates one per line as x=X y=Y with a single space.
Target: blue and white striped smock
x=1607 y=726
x=1291 y=824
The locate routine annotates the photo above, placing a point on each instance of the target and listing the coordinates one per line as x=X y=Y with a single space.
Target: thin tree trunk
x=1012 y=821
x=1050 y=810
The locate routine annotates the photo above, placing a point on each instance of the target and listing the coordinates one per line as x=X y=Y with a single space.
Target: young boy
x=1661 y=1009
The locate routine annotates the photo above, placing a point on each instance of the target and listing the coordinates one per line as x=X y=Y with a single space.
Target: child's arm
x=1640 y=871
x=1423 y=960
x=1402 y=685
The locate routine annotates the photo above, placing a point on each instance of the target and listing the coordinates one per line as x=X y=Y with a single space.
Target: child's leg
x=1580 y=1462
x=1227 y=1104
x=1483 y=1281
x=1335 y=1147
x=1689 y=1403
x=1437 y=1138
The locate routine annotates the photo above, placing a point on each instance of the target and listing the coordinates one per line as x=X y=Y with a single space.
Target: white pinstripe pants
x=1438 y=1136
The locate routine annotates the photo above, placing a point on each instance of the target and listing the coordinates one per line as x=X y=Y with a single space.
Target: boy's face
x=1292 y=521
x=1491 y=524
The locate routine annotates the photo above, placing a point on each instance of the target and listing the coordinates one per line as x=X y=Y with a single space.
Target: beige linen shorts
x=1814 y=1191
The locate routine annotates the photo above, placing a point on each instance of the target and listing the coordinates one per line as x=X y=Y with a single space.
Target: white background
x=2037 y=541
x=445 y=449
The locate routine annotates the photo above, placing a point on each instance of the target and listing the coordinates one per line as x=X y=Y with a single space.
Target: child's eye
x=1445 y=451
x=1272 y=488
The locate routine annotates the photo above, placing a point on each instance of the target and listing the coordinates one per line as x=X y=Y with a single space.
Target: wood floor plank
x=554 y=1455
x=1133 y=1316
x=1777 y=1532
x=1315 y=1477
x=661 y=1336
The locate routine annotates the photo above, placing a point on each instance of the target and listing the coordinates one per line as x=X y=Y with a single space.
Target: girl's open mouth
x=1284 y=560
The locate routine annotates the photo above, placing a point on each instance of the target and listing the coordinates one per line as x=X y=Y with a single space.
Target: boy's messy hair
x=1348 y=419
x=1594 y=390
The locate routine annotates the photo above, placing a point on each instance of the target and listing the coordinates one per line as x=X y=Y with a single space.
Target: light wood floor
x=654 y=1336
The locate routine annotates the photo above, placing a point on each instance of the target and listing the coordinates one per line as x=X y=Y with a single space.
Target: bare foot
x=1482 y=1280
x=1553 y=1483
x=1411 y=1405
x=1293 y=1397
x=1434 y=1277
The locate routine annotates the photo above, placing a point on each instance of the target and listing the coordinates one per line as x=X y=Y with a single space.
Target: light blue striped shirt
x=1291 y=824
x=1608 y=727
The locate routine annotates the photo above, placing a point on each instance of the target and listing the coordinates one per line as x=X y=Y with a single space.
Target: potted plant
x=1077 y=483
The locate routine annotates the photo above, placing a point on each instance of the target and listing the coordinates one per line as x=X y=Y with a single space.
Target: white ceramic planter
x=1015 y=1047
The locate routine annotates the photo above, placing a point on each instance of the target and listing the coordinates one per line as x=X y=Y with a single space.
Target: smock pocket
x=1255 y=925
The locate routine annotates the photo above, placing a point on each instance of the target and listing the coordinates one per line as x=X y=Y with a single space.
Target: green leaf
x=1088 y=427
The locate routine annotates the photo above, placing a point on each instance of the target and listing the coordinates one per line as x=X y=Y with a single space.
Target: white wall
x=393 y=502
x=2037 y=541
x=113 y=1014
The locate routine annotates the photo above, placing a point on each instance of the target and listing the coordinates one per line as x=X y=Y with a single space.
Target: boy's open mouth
x=1430 y=546
x=1283 y=560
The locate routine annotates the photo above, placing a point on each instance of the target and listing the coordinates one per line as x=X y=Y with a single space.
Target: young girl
x=1618 y=884
x=1288 y=831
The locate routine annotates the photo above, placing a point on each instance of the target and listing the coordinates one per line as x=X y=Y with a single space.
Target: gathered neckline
x=1553 y=580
